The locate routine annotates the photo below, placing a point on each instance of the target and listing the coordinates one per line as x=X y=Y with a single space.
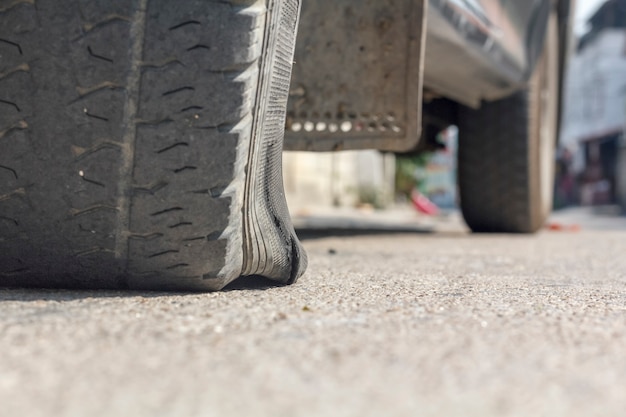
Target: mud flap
x=357 y=78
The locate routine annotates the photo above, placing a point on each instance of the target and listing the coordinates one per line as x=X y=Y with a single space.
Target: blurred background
x=591 y=157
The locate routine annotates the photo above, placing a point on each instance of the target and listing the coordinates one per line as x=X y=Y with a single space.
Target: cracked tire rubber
x=506 y=153
x=141 y=142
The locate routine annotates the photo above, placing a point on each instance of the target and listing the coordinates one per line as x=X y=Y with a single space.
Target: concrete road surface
x=385 y=323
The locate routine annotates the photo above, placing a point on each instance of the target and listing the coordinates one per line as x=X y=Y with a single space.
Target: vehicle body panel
x=482 y=49
x=471 y=50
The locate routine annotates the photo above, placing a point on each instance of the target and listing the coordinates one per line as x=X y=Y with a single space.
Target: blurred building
x=595 y=100
x=318 y=181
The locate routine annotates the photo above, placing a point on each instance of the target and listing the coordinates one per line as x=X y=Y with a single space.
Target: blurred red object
x=423 y=204
x=559 y=227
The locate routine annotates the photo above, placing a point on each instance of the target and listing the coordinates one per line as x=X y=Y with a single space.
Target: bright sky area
x=585 y=8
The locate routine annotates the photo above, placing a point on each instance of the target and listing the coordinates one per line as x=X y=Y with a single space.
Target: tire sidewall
x=543 y=107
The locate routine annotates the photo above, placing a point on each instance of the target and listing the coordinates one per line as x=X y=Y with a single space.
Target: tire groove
x=21 y=125
x=20 y=192
x=11 y=170
x=112 y=18
x=133 y=85
x=20 y=68
x=14 y=44
x=85 y=92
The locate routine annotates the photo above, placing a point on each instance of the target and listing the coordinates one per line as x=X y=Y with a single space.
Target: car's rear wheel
x=140 y=143
x=506 y=153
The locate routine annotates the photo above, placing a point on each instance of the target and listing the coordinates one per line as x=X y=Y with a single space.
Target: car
x=141 y=141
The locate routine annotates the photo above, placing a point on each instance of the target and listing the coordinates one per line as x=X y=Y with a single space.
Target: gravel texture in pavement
x=396 y=323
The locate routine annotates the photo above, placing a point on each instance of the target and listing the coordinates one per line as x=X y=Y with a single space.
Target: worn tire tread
x=124 y=138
